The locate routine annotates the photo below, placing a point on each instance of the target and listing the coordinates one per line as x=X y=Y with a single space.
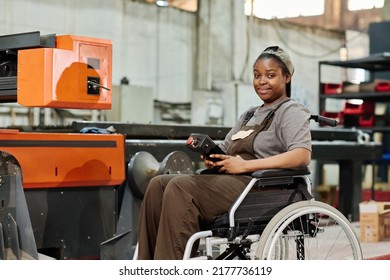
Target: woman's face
x=269 y=81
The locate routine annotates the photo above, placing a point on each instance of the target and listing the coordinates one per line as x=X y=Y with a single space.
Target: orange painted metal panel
x=58 y=77
x=50 y=160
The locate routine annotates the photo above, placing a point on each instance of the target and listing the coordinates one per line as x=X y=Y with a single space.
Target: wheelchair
x=276 y=218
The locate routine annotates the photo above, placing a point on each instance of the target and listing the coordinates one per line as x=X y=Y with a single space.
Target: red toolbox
x=329 y=88
x=359 y=108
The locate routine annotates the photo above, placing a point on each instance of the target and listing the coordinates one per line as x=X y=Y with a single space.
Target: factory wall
x=200 y=59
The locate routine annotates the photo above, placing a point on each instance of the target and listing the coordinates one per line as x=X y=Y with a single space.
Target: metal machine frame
x=71 y=181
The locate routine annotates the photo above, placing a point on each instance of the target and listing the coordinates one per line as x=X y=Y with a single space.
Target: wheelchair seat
x=270 y=191
x=273 y=189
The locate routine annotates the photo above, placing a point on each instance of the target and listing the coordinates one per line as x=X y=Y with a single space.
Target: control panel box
x=76 y=74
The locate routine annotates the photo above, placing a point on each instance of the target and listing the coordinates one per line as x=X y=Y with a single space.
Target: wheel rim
x=333 y=236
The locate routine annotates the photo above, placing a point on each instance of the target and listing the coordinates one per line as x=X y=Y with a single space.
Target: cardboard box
x=376 y=85
x=374 y=221
x=351 y=87
x=326 y=193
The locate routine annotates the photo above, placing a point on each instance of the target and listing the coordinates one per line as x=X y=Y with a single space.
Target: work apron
x=243 y=145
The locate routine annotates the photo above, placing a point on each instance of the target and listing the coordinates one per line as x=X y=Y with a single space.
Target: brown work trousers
x=175 y=206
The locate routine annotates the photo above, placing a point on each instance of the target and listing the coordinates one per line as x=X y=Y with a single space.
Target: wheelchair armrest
x=266 y=173
x=272 y=173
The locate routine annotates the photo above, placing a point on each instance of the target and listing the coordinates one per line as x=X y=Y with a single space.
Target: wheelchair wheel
x=309 y=230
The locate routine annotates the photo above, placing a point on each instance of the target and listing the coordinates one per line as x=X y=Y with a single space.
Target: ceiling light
x=162 y=3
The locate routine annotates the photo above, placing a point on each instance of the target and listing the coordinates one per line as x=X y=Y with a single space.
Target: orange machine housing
x=51 y=160
x=76 y=74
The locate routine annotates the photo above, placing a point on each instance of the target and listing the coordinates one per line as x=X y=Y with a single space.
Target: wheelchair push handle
x=324 y=120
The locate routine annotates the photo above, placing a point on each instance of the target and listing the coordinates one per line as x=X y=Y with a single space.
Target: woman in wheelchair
x=273 y=135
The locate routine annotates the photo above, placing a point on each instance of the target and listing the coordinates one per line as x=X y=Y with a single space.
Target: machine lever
x=96 y=85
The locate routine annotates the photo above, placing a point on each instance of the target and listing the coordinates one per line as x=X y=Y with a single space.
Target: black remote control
x=204 y=145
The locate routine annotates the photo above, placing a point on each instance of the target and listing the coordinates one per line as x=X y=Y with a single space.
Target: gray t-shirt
x=289 y=129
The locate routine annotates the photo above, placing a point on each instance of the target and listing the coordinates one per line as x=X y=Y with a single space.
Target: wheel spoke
x=311 y=230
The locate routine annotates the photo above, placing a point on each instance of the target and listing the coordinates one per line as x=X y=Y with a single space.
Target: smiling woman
x=275 y=134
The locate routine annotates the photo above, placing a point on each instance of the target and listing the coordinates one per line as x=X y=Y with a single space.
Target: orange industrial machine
x=70 y=180
x=55 y=71
x=74 y=74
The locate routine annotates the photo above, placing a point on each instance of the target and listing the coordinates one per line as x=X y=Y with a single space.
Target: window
x=355 y=5
x=185 y=5
x=273 y=9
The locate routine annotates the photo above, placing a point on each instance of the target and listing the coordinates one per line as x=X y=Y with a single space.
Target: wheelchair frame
x=239 y=241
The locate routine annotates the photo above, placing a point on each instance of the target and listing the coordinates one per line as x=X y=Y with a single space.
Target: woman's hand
x=208 y=163
x=296 y=158
x=227 y=164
